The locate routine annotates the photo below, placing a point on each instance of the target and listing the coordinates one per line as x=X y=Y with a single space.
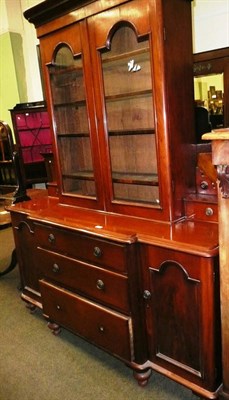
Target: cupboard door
x=121 y=51
x=183 y=315
x=66 y=57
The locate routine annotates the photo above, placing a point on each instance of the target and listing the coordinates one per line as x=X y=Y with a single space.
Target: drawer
x=202 y=211
x=98 y=251
x=107 y=329
x=108 y=287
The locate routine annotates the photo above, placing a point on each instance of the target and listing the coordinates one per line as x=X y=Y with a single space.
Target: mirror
x=211 y=88
x=209 y=93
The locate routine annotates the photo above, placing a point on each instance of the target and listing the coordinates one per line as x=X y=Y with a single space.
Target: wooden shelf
x=77 y=103
x=128 y=95
x=148 y=131
x=64 y=70
x=131 y=54
x=83 y=175
x=135 y=179
x=73 y=135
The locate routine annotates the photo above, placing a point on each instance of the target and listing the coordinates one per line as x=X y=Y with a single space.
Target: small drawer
x=101 y=326
x=98 y=251
x=202 y=211
x=97 y=283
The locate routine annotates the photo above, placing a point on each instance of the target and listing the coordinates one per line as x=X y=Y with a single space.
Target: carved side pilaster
x=223 y=176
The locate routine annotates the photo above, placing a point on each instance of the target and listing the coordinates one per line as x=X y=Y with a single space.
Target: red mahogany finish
x=126 y=240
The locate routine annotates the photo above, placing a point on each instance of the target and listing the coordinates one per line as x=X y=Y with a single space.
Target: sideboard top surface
x=186 y=235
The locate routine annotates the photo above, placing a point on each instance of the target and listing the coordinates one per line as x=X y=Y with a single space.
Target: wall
x=34 y=88
x=9 y=94
x=210 y=24
x=19 y=71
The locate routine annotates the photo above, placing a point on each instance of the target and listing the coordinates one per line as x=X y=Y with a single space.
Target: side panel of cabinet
x=178 y=66
x=25 y=242
x=182 y=315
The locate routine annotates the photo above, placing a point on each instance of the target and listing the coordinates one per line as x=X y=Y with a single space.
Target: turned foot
x=55 y=328
x=223 y=395
x=142 y=377
x=198 y=396
x=31 y=307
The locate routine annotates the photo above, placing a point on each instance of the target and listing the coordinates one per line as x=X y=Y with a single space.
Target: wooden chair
x=12 y=188
x=7 y=173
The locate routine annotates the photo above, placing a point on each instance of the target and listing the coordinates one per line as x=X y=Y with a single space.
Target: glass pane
x=130 y=118
x=71 y=123
x=34 y=133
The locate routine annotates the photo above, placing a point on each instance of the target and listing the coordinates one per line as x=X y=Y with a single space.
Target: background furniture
x=128 y=247
x=32 y=135
x=7 y=170
x=12 y=189
x=202 y=122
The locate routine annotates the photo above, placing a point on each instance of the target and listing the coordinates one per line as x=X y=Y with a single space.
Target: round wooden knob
x=51 y=238
x=146 y=295
x=100 y=284
x=97 y=252
x=209 y=211
x=56 y=268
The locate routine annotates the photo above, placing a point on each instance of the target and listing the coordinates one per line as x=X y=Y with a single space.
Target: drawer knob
x=101 y=329
x=51 y=238
x=209 y=211
x=55 y=268
x=100 y=284
x=146 y=295
x=58 y=307
x=97 y=252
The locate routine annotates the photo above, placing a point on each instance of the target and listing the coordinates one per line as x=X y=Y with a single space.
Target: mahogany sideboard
x=102 y=276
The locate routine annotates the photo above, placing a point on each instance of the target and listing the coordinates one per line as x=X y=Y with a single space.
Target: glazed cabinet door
x=122 y=51
x=182 y=316
x=66 y=63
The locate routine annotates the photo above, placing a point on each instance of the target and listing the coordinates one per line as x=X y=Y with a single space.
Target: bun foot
x=31 y=307
x=142 y=377
x=55 y=328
